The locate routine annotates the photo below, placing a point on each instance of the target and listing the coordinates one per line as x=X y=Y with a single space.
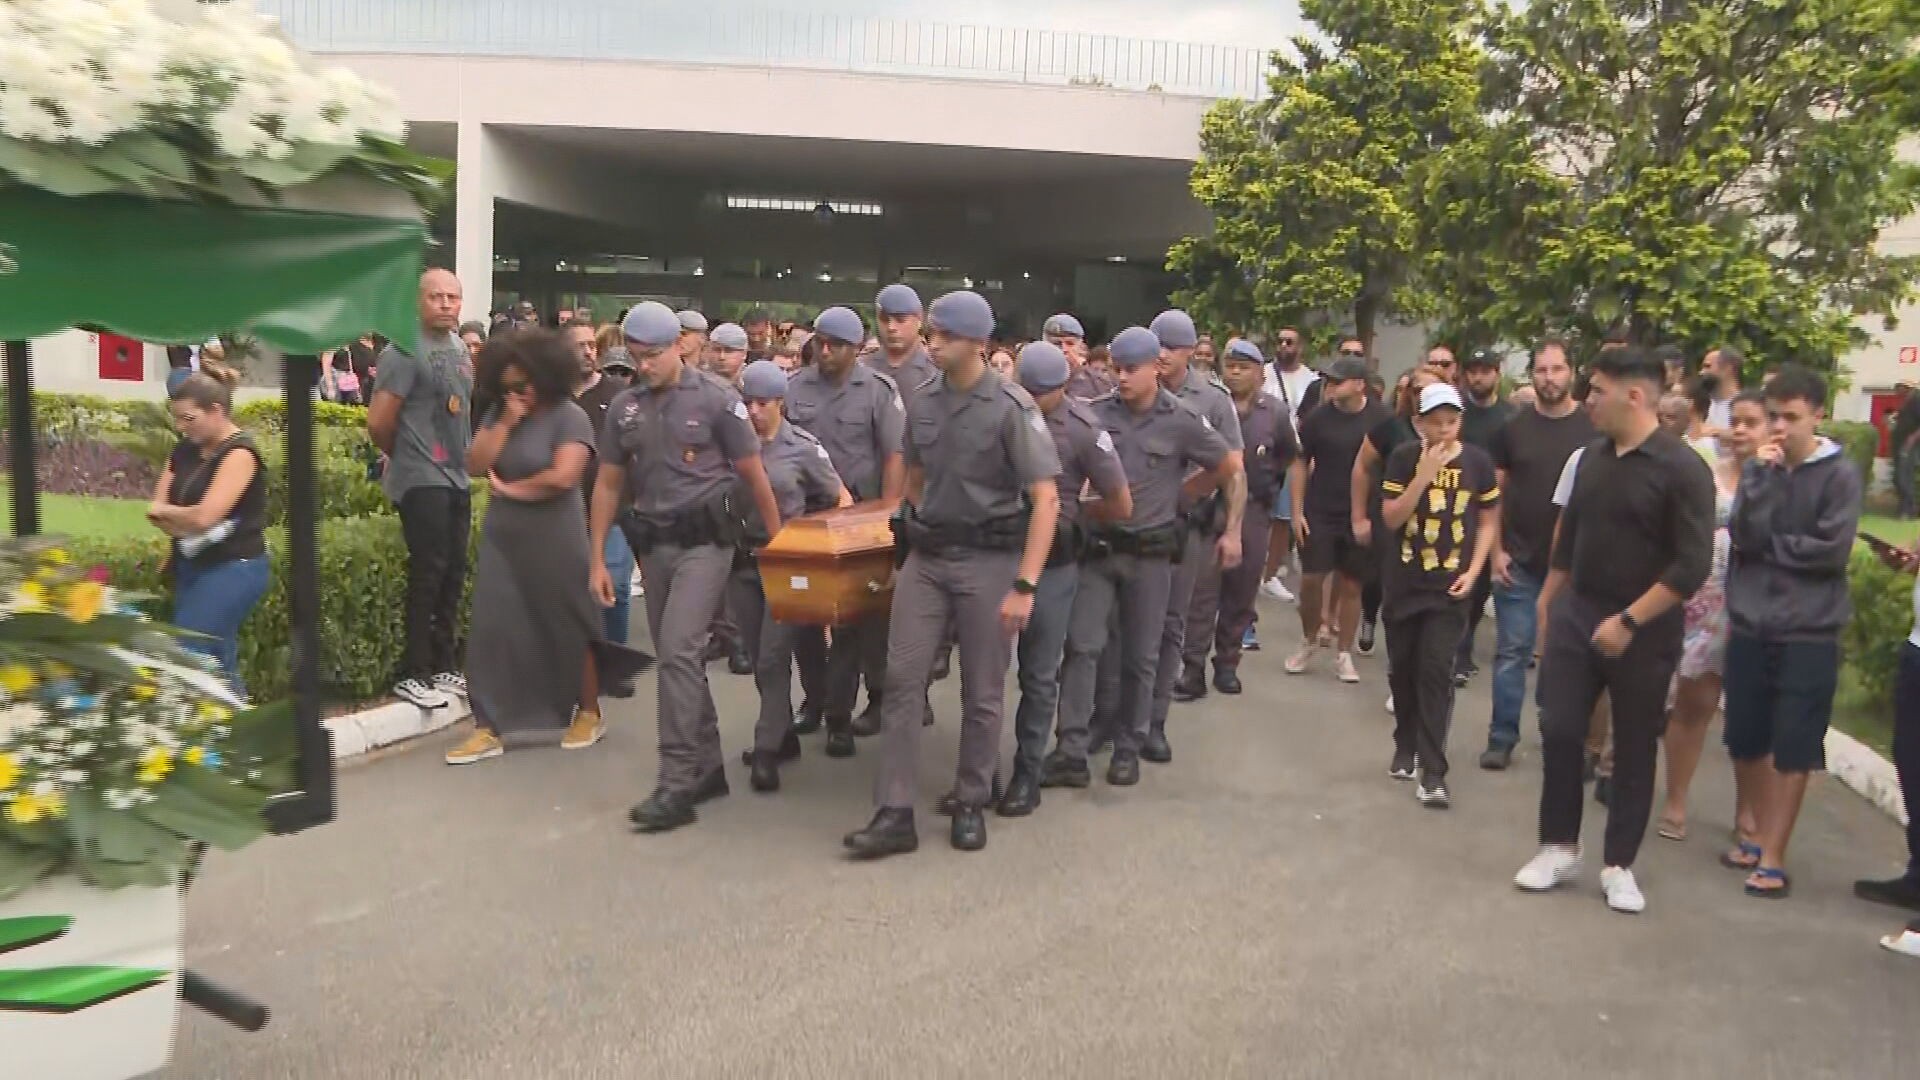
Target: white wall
x=69 y=362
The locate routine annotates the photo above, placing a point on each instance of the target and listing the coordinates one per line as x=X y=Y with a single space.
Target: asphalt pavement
x=1268 y=905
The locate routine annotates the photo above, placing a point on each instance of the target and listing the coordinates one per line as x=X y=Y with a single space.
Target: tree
x=1704 y=171
x=1318 y=190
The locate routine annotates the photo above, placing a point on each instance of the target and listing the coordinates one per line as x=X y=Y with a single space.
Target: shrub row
x=1882 y=618
x=1860 y=440
x=363 y=576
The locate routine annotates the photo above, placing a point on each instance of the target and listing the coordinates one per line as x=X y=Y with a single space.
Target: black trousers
x=810 y=657
x=1420 y=670
x=1476 y=610
x=436 y=523
x=1906 y=747
x=1572 y=675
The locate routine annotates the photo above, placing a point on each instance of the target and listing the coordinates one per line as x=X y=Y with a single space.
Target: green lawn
x=1892 y=530
x=77 y=515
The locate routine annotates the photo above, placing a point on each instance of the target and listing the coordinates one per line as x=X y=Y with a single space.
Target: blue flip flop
x=1742 y=856
x=1769 y=873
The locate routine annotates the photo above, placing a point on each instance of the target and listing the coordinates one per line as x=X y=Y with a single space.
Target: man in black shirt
x=1636 y=540
x=1529 y=452
x=1904 y=441
x=1486 y=414
x=1322 y=478
x=595 y=394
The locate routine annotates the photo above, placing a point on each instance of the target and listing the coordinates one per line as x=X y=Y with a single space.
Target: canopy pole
x=315 y=804
x=26 y=480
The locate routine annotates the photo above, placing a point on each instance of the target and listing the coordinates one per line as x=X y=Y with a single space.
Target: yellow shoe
x=479 y=746
x=587 y=728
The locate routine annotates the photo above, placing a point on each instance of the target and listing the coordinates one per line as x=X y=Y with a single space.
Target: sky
x=1205 y=21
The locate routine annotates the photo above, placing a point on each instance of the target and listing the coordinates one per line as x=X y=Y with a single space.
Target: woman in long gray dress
x=536 y=651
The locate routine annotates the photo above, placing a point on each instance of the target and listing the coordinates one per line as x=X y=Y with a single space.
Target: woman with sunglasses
x=536 y=651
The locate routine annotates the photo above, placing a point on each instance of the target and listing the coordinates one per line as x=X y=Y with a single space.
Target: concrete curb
x=1861 y=768
x=383 y=725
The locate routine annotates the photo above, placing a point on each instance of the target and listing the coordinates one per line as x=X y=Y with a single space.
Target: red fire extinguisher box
x=122 y=358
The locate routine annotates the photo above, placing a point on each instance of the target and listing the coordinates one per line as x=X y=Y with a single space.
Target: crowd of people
x=1657 y=546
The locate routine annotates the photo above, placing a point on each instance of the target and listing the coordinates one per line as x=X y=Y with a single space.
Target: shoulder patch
x=1038 y=422
x=1206 y=423
x=1104 y=441
x=740 y=409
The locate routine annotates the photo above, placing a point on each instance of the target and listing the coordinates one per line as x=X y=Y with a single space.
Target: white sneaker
x=1906 y=943
x=638 y=587
x=451 y=683
x=1277 y=589
x=1297 y=663
x=417 y=692
x=1552 y=866
x=1344 y=670
x=1623 y=893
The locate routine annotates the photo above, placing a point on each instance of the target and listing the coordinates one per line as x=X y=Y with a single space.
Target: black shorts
x=1330 y=547
x=1780 y=700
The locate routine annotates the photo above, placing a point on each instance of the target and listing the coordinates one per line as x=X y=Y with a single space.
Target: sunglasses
x=518 y=386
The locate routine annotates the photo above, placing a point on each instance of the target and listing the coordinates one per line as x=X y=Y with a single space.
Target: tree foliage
x=1702 y=171
x=1318 y=191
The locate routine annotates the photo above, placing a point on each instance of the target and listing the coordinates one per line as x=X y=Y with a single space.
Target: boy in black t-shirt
x=1441 y=513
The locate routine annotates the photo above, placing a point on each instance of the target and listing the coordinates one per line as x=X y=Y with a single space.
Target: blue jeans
x=1041 y=649
x=1516 y=616
x=619 y=559
x=214 y=600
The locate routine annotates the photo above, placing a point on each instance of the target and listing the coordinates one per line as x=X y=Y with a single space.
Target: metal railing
x=677 y=30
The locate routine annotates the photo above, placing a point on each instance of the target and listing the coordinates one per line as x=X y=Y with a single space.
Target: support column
x=473 y=219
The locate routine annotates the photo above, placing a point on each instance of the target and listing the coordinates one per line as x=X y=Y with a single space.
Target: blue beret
x=1133 y=346
x=963 y=314
x=1064 y=325
x=1175 y=329
x=1043 y=367
x=728 y=336
x=763 y=380
x=841 y=324
x=652 y=324
x=898 y=299
x=1242 y=349
x=691 y=320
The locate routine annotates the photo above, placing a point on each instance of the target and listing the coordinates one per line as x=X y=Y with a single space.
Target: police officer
x=673 y=447
x=1129 y=564
x=901 y=355
x=1266 y=425
x=977 y=523
x=1213 y=529
x=726 y=352
x=803 y=480
x=1086 y=455
x=1063 y=332
x=856 y=413
x=693 y=337
x=725 y=355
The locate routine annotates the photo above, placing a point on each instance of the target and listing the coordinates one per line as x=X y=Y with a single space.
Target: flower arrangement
x=178 y=99
x=120 y=751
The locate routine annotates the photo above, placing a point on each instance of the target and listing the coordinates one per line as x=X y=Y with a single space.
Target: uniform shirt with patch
x=979 y=449
x=1271 y=446
x=800 y=472
x=677 y=444
x=1087 y=455
x=913 y=374
x=1436 y=543
x=860 y=420
x=1158 y=448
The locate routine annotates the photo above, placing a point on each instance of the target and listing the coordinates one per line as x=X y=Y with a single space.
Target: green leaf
x=22 y=866
x=157 y=155
x=52 y=169
x=188 y=810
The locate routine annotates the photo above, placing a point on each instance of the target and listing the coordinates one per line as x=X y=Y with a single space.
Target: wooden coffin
x=831 y=568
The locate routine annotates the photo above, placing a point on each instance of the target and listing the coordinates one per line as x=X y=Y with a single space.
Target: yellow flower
x=24 y=809
x=54 y=804
x=194 y=755
x=32 y=597
x=155 y=764
x=9 y=771
x=85 y=601
x=213 y=712
x=17 y=678
x=57 y=556
x=144 y=691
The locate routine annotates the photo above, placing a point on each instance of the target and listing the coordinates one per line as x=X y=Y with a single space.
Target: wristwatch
x=1024 y=587
x=1627 y=620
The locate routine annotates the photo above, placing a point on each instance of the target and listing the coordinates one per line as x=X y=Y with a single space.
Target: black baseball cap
x=1481 y=358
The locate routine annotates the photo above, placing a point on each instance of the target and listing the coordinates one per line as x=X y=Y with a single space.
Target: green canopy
x=302 y=281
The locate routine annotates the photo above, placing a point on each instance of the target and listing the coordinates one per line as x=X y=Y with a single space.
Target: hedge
x=1882 y=618
x=1860 y=440
x=270 y=414
x=363 y=584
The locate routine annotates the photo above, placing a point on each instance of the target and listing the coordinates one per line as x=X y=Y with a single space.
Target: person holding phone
x=1903 y=890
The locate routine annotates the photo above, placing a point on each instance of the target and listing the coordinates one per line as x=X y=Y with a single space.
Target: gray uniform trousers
x=771 y=645
x=810 y=656
x=1138 y=588
x=1203 y=609
x=966 y=586
x=1240 y=586
x=859 y=649
x=1174 y=625
x=684 y=589
x=1041 y=652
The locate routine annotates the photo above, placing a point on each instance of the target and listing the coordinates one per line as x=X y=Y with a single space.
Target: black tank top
x=193 y=472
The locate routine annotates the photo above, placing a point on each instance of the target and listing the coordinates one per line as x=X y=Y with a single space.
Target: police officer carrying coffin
x=673 y=447
x=1130 y=565
x=1266 y=425
x=1086 y=454
x=1213 y=529
x=803 y=480
x=977 y=525
x=856 y=413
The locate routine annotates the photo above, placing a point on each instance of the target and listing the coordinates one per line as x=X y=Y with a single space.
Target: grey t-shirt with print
x=430 y=440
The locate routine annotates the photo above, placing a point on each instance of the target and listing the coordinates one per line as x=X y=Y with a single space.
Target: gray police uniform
x=1087 y=455
x=678 y=446
x=913 y=374
x=1271 y=446
x=860 y=421
x=1202 y=392
x=1088 y=382
x=803 y=481
x=980 y=449
x=1157 y=449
